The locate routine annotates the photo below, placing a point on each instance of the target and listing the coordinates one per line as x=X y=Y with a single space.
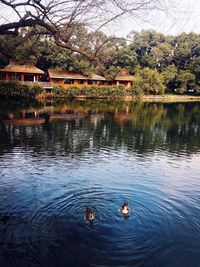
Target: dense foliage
x=148 y=82
x=90 y=92
x=16 y=91
x=160 y=63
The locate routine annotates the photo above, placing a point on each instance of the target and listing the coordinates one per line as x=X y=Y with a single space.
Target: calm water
x=99 y=154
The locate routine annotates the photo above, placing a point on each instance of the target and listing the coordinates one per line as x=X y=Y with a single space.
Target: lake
x=57 y=158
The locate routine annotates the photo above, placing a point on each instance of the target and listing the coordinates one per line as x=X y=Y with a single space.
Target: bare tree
x=61 y=18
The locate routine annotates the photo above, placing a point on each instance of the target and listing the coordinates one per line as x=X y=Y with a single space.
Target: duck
x=89 y=215
x=124 y=209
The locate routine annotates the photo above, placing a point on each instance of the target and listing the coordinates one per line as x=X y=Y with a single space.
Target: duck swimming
x=124 y=209
x=89 y=215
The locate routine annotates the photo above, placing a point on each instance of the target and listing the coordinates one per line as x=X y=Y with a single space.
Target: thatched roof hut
x=16 y=67
x=124 y=75
x=65 y=74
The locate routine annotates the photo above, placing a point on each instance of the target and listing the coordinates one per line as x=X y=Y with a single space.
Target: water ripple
x=50 y=173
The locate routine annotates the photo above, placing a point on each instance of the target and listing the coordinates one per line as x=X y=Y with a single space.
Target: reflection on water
x=58 y=158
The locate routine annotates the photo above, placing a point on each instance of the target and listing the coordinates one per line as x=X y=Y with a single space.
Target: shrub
x=147 y=82
x=15 y=90
x=35 y=90
x=90 y=92
x=137 y=88
x=185 y=82
x=181 y=91
x=197 y=90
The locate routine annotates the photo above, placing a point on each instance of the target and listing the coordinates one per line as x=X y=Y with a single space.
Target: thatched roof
x=14 y=66
x=124 y=75
x=65 y=74
x=97 y=77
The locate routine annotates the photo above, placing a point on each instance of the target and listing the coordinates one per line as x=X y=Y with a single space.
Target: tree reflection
x=137 y=127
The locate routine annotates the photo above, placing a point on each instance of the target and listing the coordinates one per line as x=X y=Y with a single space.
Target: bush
x=35 y=90
x=15 y=90
x=148 y=82
x=90 y=92
x=185 y=82
x=181 y=91
x=137 y=88
x=197 y=90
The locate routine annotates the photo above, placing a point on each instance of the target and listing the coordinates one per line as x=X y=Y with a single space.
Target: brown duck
x=124 y=209
x=89 y=215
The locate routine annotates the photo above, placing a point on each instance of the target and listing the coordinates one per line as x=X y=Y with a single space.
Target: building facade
x=64 y=78
x=21 y=72
x=68 y=78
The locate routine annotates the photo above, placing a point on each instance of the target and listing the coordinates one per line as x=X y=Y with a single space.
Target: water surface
x=58 y=158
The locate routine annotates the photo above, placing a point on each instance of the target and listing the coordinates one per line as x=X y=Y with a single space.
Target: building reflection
x=70 y=126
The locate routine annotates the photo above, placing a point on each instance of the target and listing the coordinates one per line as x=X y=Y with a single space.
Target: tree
x=195 y=68
x=186 y=47
x=169 y=74
x=148 y=81
x=122 y=57
x=160 y=56
x=7 y=48
x=61 y=19
x=111 y=72
x=145 y=45
x=185 y=81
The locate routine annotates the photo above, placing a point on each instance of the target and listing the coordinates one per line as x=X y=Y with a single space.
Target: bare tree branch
x=61 y=18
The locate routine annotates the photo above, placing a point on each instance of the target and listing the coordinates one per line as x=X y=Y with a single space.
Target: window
x=15 y=76
x=91 y=82
x=12 y=76
x=68 y=81
x=29 y=77
x=2 y=76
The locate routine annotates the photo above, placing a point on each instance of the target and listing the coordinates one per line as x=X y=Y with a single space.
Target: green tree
x=186 y=47
x=169 y=74
x=143 y=43
x=111 y=72
x=195 y=67
x=160 y=56
x=124 y=57
x=185 y=81
x=148 y=81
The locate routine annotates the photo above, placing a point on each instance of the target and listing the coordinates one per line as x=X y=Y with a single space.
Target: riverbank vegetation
x=16 y=90
x=90 y=92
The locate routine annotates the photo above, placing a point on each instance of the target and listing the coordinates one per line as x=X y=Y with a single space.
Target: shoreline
x=127 y=98
x=164 y=98
x=144 y=98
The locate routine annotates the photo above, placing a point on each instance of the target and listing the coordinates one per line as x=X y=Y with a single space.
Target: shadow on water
x=56 y=159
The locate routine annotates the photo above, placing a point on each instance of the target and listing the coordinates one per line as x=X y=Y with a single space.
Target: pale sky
x=182 y=16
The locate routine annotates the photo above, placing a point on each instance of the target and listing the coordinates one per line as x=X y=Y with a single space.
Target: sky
x=181 y=16
x=177 y=16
